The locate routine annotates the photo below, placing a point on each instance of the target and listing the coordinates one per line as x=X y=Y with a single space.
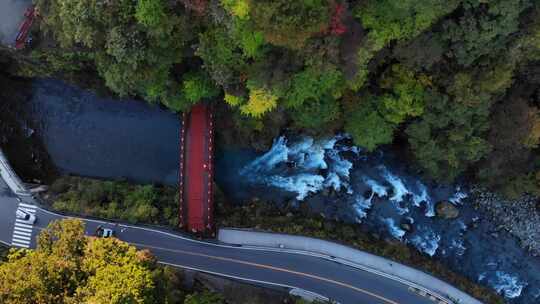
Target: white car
x=104 y=232
x=25 y=217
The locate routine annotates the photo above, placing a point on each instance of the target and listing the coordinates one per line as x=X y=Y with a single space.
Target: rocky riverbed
x=520 y=217
x=379 y=193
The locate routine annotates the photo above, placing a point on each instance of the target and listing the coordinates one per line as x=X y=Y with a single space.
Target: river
x=101 y=137
x=105 y=138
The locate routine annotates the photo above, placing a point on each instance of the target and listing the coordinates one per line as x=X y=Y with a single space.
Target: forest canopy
x=432 y=76
x=69 y=267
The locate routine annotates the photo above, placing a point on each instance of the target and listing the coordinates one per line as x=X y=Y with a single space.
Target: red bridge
x=196 y=171
x=24 y=29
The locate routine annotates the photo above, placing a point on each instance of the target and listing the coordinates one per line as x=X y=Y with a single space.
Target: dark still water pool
x=108 y=138
x=103 y=137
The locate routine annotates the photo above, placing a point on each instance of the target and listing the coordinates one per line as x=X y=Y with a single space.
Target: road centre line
x=279 y=269
x=241 y=278
x=248 y=248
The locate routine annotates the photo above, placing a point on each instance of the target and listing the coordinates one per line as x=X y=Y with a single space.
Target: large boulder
x=406 y=226
x=446 y=210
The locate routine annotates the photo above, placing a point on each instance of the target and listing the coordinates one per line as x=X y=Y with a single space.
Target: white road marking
x=247 y=248
x=21 y=223
x=27 y=233
x=27 y=206
x=20 y=238
x=22 y=231
x=23 y=245
x=29 y=210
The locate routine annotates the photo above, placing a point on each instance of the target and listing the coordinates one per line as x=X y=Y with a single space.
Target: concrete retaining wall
x=420 y=281
x=10 y=177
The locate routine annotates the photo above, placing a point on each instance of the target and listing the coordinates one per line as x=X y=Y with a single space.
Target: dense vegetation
x=115 y=200
x=68 y=267
x=454 y=80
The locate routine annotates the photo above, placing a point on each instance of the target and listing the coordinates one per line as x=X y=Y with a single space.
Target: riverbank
x=25 y=150
x=118 y=200
x=152 y=205
x=267 y=217
x=520 y=217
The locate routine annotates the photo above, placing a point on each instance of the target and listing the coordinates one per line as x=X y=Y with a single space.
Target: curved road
x=332 y=280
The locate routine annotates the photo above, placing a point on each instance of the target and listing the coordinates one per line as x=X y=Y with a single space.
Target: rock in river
x=446 y=210
x=406 y=226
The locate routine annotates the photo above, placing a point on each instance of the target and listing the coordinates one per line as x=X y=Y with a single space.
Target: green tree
x=316 y=114
x=204 y=298
x=248 y=39
x=221 y=57
x=197 y=86
x=449 y=137
x=367 y=127
x=68 y=267
x=510 y=167
x=134 y=45
x=388 y=21
x=290 y=23
x=151 y=13
x=116 y=200
x=407 y=94
x=484 y=28
x=315 y=83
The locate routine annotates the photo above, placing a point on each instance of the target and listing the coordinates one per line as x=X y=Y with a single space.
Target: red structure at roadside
x=337 y=27
x=24 y=29
x=197 y=171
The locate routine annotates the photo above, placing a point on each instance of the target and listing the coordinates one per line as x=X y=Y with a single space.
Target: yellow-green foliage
x=233 y=101
x=407 y=94
x=69 y=267
x=197 y=86
x=237 y=8
x=260 y=102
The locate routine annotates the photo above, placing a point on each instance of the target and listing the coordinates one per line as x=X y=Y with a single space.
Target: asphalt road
x=330 y=279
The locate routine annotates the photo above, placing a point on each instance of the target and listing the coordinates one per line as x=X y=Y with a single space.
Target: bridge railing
x=181 y=219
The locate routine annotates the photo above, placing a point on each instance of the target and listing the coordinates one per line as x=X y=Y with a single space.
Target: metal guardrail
x=11 y=178
x=413 y=278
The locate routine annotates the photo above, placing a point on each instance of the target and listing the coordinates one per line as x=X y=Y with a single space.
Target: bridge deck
x=196 y=171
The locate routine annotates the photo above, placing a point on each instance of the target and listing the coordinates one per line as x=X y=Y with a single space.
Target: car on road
x=25 y=217
x=104 y=232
